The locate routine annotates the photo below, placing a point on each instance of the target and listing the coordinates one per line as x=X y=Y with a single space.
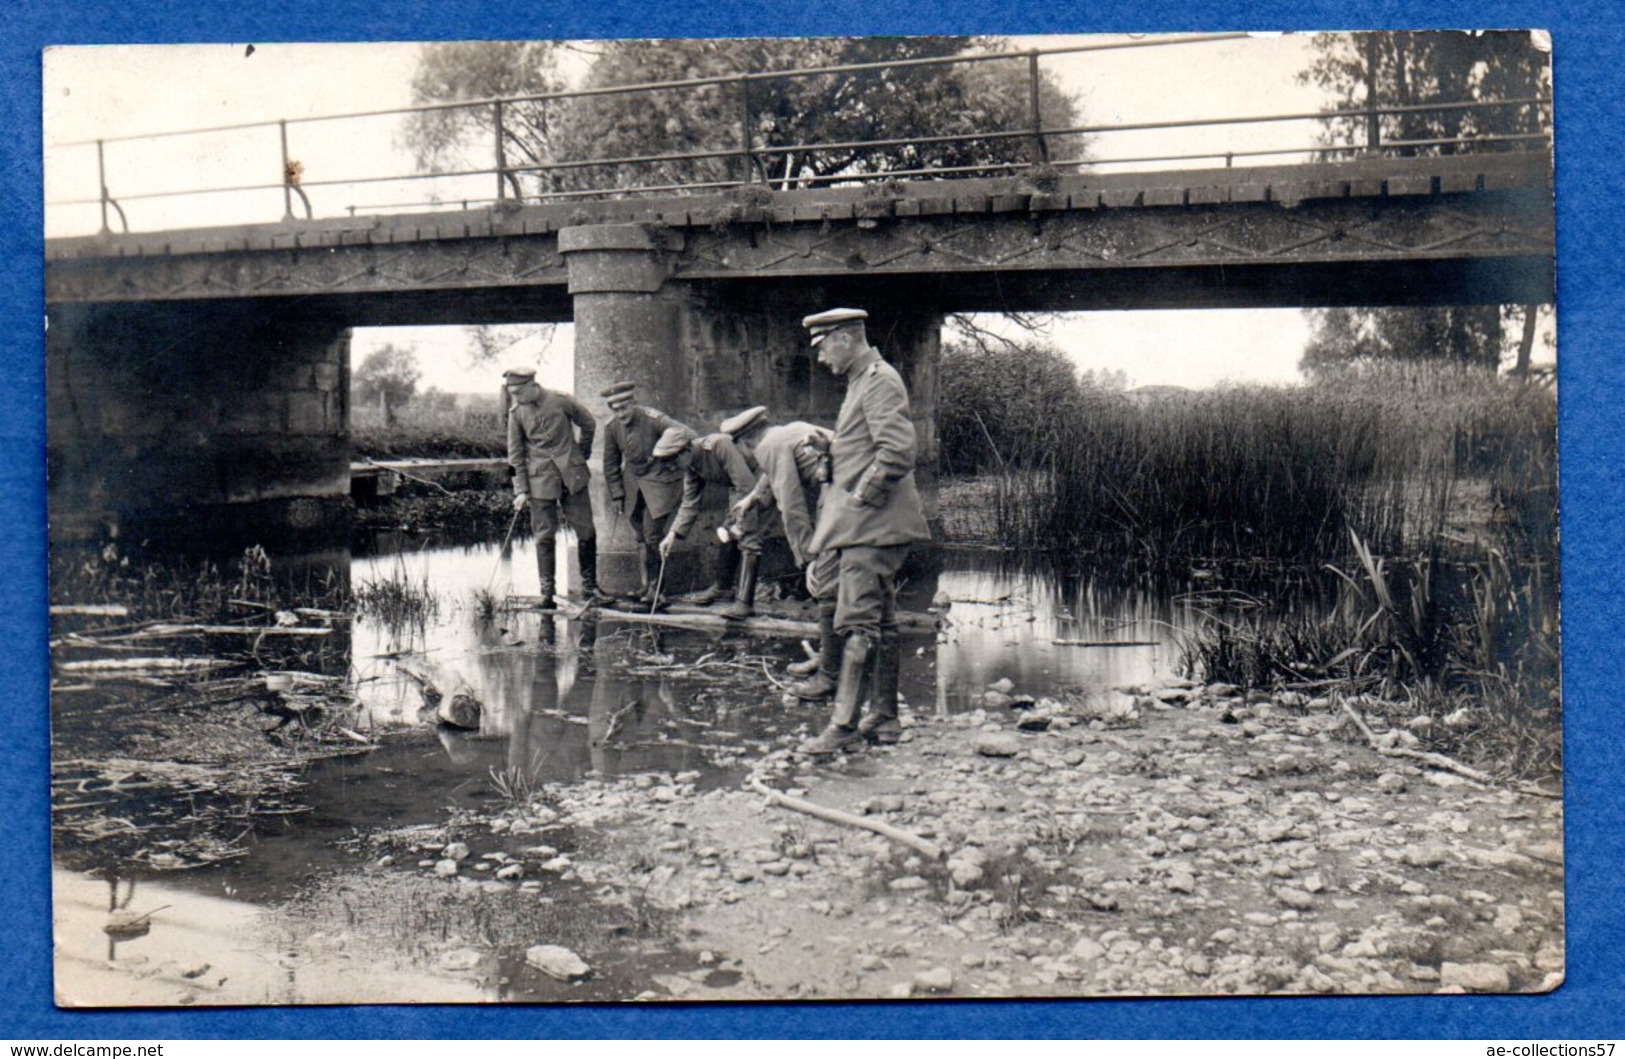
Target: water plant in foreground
x=399 y=602
x=1462 y=653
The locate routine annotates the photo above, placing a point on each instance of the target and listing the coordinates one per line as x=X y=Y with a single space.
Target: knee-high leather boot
x=880 y=724
x=587 y=554
x=545 y=558
x=822 y=683
x=722 y=575
x=842 y=730
x=744 y=604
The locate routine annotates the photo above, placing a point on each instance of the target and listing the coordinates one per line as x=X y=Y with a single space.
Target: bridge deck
x=1286 y=185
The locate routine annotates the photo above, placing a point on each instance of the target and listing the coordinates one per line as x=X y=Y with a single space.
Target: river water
x=562 y=699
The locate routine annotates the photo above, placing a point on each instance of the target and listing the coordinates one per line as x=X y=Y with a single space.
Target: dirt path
x=1209 y=847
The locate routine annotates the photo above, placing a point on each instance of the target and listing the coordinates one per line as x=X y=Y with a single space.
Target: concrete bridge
x=203 y=374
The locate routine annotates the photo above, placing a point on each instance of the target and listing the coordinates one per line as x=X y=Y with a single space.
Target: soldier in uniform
x=647 y=490
x=549 y=440
x=869 y=517
x=715 y=458
x=794 y=462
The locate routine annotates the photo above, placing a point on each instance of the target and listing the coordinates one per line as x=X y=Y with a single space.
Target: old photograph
x=803 y=518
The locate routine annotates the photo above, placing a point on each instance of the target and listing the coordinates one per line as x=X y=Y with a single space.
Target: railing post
x=287 y=177
x=502 y=161
x=1373 y=120
x=101 y=181
x=744 y=130
x=1040 y=148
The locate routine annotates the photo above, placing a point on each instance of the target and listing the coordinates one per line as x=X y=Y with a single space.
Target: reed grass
x=173 y=588
x=1428 y=491
x=1248 y=471
x=397 y=601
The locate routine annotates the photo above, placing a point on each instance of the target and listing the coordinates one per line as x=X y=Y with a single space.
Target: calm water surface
x=562 y=698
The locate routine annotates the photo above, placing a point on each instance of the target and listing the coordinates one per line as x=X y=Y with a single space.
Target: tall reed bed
x=1243 y=472
x=170 y=587
x=1428 y=491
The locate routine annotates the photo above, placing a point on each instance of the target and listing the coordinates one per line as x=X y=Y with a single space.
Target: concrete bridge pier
x=702 y=350
x=198 y=425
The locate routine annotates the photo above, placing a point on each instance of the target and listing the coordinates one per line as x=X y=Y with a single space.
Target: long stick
x=504 y=551
x=660 y=583
x=835 y=816
x=1438 y=761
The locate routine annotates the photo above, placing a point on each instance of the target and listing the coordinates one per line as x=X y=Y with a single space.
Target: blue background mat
x=1589 y=55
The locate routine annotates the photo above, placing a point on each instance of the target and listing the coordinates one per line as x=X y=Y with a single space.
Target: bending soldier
x=715 y=458
x=550 y=474
x=794 y=461
x=868 y=519
x=647 y=490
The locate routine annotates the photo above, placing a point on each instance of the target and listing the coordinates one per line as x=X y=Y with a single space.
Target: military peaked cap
x=736 y=425
x=821 y=324
x=619 y=392
x=673 y=441
x=516 y=376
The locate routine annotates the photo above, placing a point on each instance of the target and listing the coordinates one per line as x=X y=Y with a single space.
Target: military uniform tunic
x=784 y=485
x=549 y=465
x=629 y=452
x=871 y=511
x=714 y=458
x=873 y=499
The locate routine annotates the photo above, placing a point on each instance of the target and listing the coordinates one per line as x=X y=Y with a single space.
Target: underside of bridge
x=191 y=374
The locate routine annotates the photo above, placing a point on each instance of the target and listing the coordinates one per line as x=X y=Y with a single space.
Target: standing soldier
x=651 y=498
x=869 y=517
x=550 y=474
x=715 y=458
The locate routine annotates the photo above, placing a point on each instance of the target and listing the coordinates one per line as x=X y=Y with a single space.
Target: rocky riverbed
x=1170 y=841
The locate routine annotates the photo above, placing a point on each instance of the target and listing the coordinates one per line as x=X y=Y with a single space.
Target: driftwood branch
x=153 y=632
x=1438 y=761
x=835 y=816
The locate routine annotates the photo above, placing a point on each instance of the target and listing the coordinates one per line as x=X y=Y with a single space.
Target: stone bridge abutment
x=198 y=422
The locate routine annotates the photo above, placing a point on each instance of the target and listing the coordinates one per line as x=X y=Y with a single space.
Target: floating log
x=143 y=665
x=155 y=632
x=681 y=615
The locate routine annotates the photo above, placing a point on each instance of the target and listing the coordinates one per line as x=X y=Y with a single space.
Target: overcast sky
x=114 y=91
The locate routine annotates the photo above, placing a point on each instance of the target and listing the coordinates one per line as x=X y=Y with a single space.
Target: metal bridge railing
x=506 y=177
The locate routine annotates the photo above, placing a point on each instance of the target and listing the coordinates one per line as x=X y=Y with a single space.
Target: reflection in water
x=1051 y=636
x=208 y=950
x=563 y=696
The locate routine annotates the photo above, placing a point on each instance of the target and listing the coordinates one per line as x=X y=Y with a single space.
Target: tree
x=789 y=119
x=1414 y=69
x=998 y=402
x=1468 y=335
x=389 y=376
